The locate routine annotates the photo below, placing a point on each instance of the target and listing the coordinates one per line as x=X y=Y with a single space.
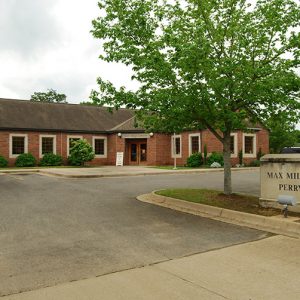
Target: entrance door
x=137 y=153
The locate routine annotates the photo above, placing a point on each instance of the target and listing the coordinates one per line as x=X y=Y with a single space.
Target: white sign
x=120 y=159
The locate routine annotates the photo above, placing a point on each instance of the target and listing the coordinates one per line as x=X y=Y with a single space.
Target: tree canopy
x=203 y=64
x=51 y=96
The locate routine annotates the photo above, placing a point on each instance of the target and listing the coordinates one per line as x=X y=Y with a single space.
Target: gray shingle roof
x=26 y=115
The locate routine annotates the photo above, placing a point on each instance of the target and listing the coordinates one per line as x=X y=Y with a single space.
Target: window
x=233 y=145
x=47 y=144
x=18 y=144
x=176 y=146
x=99 y=145
x=194 y=143
x=71 y=140
x=249 y=145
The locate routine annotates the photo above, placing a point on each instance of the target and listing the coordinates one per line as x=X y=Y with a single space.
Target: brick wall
x=158 y=146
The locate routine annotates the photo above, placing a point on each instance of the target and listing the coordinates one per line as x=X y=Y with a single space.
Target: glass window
x=249 y=144
x=177 y=146
x=99 y=146
x=47 y=145
x=18 y=145
x=195 y=144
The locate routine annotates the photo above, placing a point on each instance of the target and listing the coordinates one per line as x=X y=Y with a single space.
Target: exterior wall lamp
x=119 y=134
x=151 y=134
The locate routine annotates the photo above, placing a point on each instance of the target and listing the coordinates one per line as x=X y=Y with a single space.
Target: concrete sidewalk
x=265 y=269
x=113 y=171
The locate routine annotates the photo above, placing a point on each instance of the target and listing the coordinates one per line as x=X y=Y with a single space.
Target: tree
x=202 y=64
x=50 y=96
x=282 y=134
x=81 y=152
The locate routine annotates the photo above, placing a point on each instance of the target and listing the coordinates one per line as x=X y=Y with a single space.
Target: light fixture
x=119 y=134
x=151 y=133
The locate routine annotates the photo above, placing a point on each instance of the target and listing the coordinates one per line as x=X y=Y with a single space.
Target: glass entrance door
x=137 y=152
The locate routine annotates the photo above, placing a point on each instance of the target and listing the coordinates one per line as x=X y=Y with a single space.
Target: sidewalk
x=112 y=171
x=265 y=269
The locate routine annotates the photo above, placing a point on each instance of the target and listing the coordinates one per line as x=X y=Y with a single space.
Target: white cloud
x=48 y=44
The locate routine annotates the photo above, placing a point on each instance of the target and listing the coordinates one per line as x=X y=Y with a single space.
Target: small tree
x=81 y=152
x=51 y=96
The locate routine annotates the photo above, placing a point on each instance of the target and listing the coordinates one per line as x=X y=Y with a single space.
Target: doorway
x=137 y=151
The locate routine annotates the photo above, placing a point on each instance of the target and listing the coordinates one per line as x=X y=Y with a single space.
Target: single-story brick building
x=39 y=128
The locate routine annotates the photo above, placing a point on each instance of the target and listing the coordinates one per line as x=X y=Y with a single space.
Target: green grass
x=177 y=168
x=45 y=167
x=243 y=203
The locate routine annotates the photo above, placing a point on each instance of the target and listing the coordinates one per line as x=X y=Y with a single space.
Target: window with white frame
x=233 y=145
x=194 y=143
x=47 y=144
x=176 y=146
x=18 y=144
x=249 y=145
x=71 y=140
x=100 y=146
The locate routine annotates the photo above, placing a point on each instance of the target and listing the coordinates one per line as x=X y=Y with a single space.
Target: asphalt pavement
x=56 y=230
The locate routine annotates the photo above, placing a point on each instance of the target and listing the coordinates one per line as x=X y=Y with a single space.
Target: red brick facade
x=159 y=146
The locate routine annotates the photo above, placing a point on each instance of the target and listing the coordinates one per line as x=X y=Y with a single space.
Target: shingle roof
x=23 y=114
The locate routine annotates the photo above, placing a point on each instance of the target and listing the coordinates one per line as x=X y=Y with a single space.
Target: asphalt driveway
x=55 y=230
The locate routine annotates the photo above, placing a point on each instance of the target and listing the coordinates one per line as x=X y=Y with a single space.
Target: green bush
x=80 y=153
x=254 y=163
x=215 y=157
x=3 y=162
x=241 y=157
x=195 y=160
x=259 y=154
x=50 y=159
x=205 y=154
x=25 y=160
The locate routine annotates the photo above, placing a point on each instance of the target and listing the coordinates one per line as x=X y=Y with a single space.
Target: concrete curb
x=162 y=172
x=278 y=226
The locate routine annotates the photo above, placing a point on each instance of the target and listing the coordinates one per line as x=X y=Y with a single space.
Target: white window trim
x=54 y=143
x=11 y=155
x=172 y=146
x=190 y=142
x=68 y=141
x=235 y=144
x=247 y=155
x=105 y=146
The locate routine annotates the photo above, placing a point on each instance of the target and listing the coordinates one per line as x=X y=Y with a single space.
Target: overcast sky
x=47 y=44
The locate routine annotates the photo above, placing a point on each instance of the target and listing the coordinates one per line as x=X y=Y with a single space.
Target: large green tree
x=217 y=64
x=51 y=96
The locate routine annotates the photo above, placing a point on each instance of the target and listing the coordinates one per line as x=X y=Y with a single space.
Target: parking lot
x=55 y=230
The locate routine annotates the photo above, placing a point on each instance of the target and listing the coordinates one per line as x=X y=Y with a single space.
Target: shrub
x=195 y=160
x=50 y=159
x=25 y=160
x=241 y=157
x=215 y=157
x=3 y=162
x=80 y=153
x=254 y=163
x=205 y=154
x=259 y=154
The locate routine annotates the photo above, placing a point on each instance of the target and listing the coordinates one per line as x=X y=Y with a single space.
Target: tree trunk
x=227 y=164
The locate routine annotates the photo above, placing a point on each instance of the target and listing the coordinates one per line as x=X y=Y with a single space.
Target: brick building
x=39 y=128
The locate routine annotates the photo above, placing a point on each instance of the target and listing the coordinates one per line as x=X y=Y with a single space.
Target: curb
x=283 y=227
x=163 y=172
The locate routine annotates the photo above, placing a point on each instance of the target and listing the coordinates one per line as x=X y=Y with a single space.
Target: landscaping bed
x=243 y=203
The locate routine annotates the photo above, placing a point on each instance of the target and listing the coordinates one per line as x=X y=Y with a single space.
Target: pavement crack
x=191 y=282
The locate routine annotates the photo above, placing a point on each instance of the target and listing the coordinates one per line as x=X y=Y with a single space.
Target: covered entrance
x=136 y=151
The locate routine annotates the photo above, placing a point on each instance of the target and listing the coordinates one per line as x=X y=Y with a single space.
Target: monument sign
x=279 y=175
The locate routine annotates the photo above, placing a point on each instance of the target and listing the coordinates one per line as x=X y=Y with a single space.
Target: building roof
x=27 y=115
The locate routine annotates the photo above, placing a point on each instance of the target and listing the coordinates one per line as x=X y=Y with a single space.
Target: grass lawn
x=244 y=203
x=178 y=168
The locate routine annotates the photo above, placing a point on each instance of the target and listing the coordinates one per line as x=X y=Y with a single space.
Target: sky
x=47 y=44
